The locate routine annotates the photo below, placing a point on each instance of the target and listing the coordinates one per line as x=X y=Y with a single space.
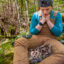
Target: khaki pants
x=22 y=45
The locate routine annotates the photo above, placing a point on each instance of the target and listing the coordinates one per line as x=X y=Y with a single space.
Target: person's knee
x=56 y=46
x=21 y=42
x=53 y=41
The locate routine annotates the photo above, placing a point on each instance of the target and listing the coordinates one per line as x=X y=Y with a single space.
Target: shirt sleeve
x=33 y=24
x=57 y=29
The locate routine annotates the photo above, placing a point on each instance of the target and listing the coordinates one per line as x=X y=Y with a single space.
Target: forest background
x=15 y=18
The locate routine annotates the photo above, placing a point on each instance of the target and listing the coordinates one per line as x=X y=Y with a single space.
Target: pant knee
x=56 y=46
x=53 y=41
x=21 y=42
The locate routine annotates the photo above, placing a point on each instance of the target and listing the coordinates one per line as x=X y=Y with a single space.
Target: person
x=46 y=25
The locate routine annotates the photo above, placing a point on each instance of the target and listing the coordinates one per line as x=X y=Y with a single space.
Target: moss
x=6 y=59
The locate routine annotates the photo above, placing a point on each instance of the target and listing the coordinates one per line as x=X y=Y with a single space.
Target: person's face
x=46 y=10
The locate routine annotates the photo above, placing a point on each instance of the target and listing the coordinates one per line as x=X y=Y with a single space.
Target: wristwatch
x=40 y=23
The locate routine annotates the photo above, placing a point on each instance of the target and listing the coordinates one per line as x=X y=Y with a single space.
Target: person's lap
x=35 y=41
x=58 y=53
x=54 y=59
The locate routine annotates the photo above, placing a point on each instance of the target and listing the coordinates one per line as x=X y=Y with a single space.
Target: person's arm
x=33 y=24
x=41 y=22
x=35 y=27
x=50 y=24
x=57 y=29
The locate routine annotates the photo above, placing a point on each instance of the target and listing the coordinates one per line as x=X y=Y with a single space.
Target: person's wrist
x=48 y=21
x=40 y=23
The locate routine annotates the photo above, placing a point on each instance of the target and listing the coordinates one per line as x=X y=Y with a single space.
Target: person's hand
x=42 y=20
x=47 y=18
